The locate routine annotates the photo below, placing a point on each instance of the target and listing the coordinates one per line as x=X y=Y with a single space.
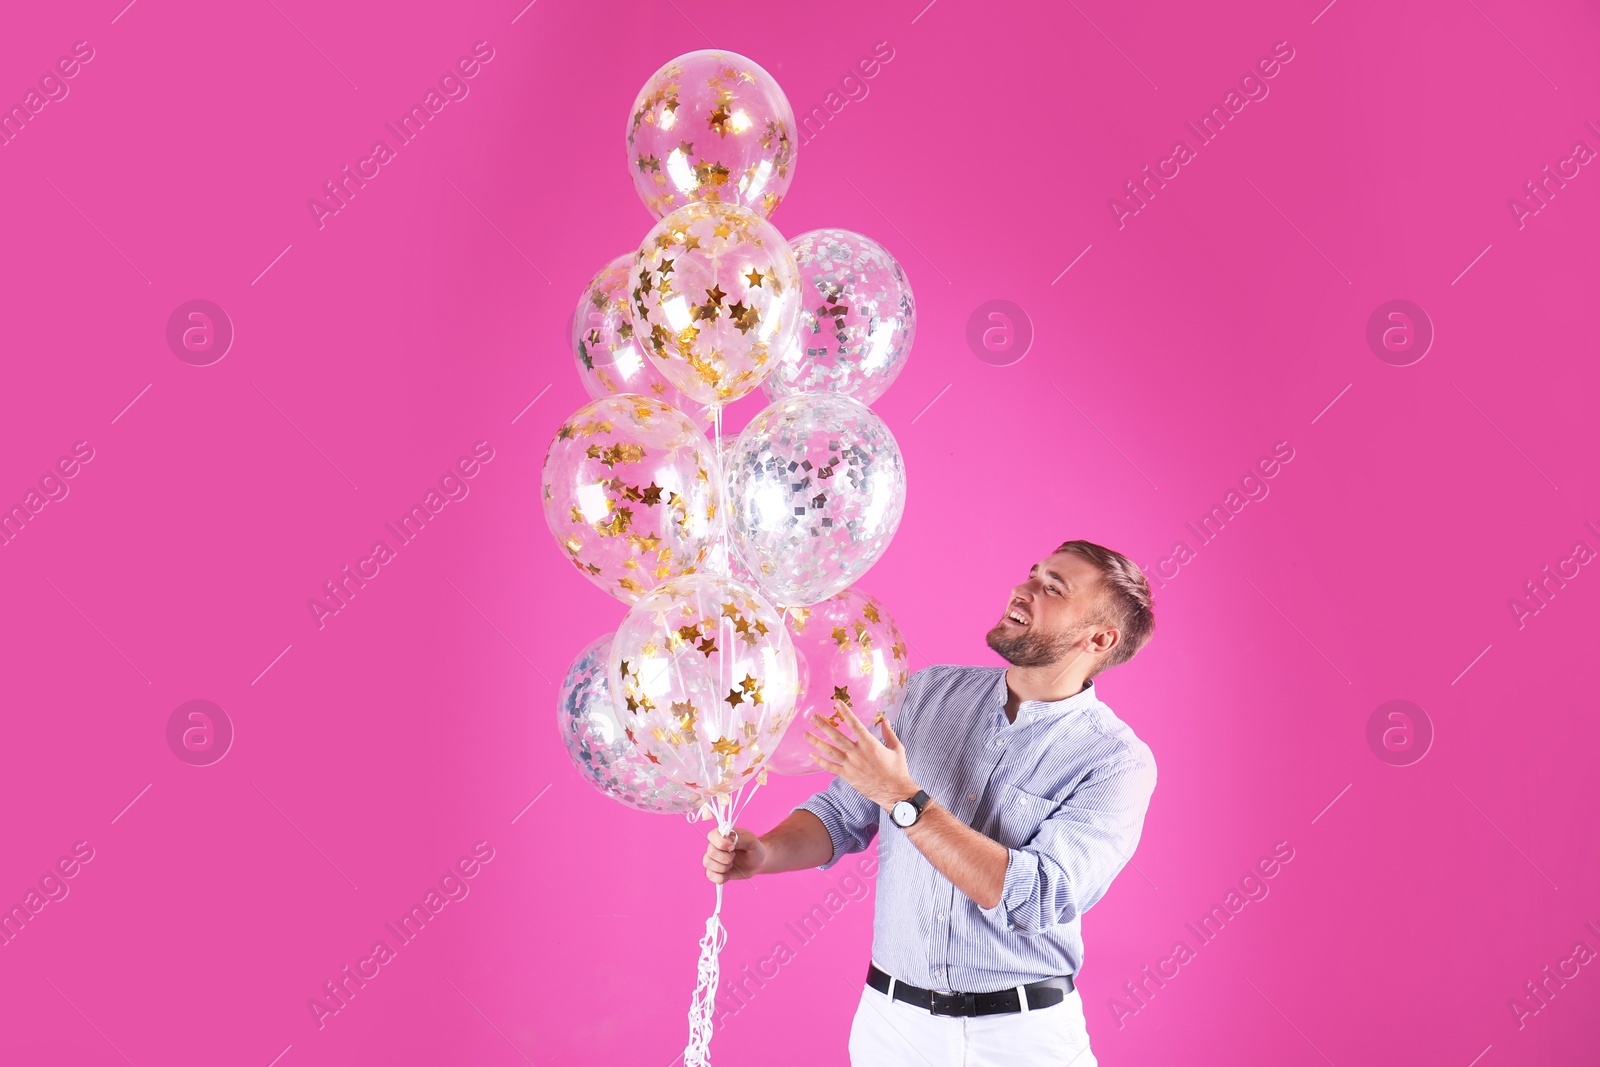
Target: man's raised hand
x=875 y=769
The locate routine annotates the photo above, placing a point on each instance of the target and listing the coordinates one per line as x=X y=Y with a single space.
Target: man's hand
x=733 y=856
x=875 y=769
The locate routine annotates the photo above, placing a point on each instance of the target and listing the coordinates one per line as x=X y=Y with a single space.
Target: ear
x=1107 y=639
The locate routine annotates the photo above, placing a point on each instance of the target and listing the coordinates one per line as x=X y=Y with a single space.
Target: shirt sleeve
x=851 y=819
x=1071 y=859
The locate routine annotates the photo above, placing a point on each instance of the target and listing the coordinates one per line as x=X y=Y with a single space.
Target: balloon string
x=723 y=560
x=697 y=1053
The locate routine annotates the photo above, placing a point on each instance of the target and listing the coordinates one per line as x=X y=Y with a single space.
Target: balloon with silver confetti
x=609 y=359
x=711 y=126
x=855 y=658
x=857 y=319
x=597 y=741
x=816 y=488
x=715 y=299
x=705 y=672
x=630 y=490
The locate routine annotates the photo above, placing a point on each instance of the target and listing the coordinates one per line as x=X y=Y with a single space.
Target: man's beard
x=1028 y=648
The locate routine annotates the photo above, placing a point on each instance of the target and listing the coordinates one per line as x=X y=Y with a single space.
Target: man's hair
x=1124 y=602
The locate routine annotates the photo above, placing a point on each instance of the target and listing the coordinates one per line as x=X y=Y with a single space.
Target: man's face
x=1055 y=605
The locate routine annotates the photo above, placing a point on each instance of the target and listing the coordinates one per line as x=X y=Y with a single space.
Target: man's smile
x=1015 y=617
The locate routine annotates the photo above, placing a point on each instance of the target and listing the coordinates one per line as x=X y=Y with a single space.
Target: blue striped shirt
x=1065 y=789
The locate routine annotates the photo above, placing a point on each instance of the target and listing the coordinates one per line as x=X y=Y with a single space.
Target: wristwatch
x=906 y=812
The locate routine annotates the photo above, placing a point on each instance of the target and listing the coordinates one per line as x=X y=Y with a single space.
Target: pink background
x=1228 y=315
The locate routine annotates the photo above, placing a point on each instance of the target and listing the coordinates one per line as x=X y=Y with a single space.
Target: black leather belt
x=1041 y=994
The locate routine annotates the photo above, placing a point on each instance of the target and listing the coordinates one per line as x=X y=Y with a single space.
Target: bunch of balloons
x=738 y=558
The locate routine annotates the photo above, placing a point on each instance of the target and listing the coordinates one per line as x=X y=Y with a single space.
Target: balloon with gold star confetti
x=856 y=658
x=705 y=671
x=711 y=126
x=715 y=300
x=595 y=736
x=857 y=319
x=609 y=359
x=816 y=486
x=630 y=490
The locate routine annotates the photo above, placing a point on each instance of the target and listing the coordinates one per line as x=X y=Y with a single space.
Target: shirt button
x=941 y=918
x=972 y=796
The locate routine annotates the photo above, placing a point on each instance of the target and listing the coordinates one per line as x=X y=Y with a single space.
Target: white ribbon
x=697 y=1053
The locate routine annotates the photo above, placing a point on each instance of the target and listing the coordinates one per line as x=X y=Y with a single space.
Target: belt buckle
x=956 y=1003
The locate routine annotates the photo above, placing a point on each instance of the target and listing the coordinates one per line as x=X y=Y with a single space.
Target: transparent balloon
x=715 y=300
x=593 y=733
x=711 y=126
x=855 y=658
x=609 y=359
x=857 y=319
x=706 y=673
x=816 y=488
x=629 y=491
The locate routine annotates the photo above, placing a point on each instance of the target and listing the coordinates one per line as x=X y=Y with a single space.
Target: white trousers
x=889 y=1033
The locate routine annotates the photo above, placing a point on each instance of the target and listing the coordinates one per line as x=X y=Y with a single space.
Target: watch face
x=904 y=813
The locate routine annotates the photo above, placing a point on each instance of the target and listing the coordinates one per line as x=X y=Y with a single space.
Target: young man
x=1004 y=805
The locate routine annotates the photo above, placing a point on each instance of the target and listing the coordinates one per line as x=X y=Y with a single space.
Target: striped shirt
x=1065 y=789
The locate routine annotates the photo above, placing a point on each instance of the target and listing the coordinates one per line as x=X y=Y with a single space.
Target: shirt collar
x=1029 y=710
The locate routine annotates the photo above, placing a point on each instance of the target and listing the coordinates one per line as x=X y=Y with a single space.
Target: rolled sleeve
x=851 y=819
x=1071 y=859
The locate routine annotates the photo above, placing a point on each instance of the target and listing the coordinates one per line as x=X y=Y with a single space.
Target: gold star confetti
x=870 y=610
x=708 y=646
x=841 y=635
x=735 y=697
x=754 y=277
x=841 y=693
x=726 y=747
